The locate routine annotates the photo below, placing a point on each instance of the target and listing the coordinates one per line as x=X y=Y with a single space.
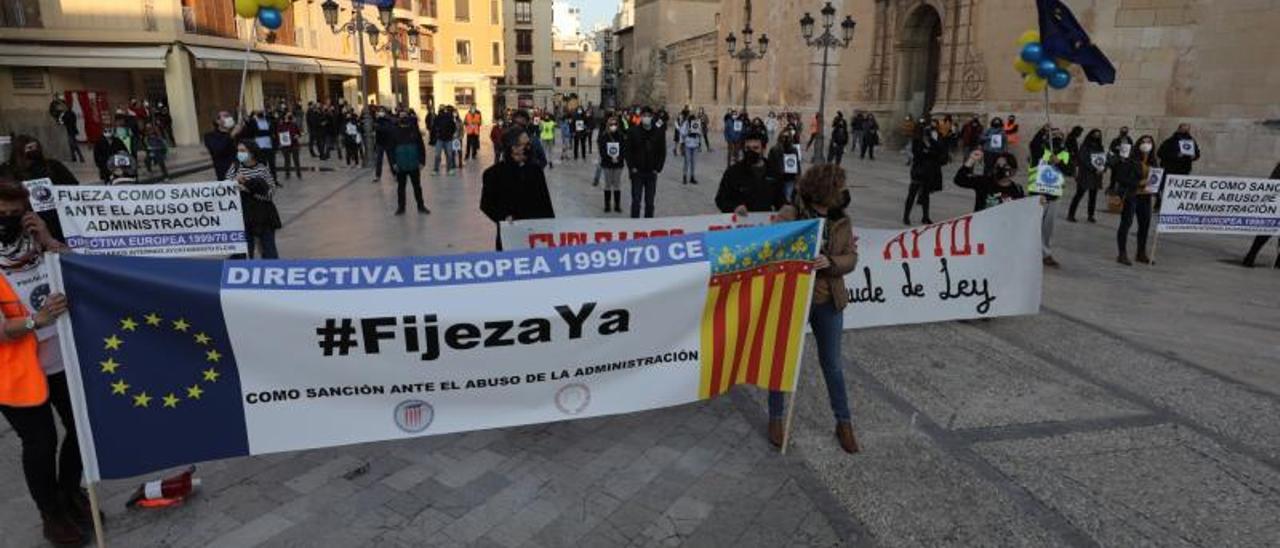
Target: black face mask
x=35 y=155
x=10 y=229
x=751 y=156
x=1002 y=172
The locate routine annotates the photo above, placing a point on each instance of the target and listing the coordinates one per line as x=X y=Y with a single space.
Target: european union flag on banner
x=1063 y=37
x=159 y=375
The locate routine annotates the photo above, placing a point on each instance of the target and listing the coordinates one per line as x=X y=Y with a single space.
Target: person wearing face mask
x=257 y=193
x=26 y=162
x=1011 y=129
x=784 y=164
x=410 y=156
x=746 y=186
x=690 y=131
x=547 y=128
x=928 y=155
x=1090 y=163
x=706 y=128
x=993 y=187
x=839 y=139
x=516 y=188
x=771 y=126
x=1130 y=173
x=289 y=135
x=1178 y=153
x=821 y=194
x=33 y=384
x=994 y=143
x=106 y=147
x=221 y=143
x=733 y=131
x=383 y=128
x=613 y=153
x=472 y=123
x=870 y=138
x=1055 y=157
x=646 y=156
x=262 y=129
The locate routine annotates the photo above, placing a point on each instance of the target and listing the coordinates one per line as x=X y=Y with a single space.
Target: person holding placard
x=1260 y=241
x=993 y=143
x=33 y=385
x=784 y=163
x=27 y=162
x=289 y=135
x=690 y=132
x=1047 y=179
x=927 y=157
x=613 y=154
x=1177 y=154
x=1131 y=172
x=821 y=195
x=1090 y=164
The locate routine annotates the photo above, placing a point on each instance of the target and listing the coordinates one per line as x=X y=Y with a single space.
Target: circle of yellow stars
x=171 y=400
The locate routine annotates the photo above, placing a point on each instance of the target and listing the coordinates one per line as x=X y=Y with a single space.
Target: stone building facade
x=1203 y=62
x=641 y=47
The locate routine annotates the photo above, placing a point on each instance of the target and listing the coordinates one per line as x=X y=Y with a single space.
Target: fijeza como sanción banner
x=186 y=360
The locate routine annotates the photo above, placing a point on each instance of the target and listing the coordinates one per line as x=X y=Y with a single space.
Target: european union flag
x=159 y=374
x=1063 y=37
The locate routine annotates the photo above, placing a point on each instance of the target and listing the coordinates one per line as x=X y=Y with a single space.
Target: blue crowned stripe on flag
x=158 y=371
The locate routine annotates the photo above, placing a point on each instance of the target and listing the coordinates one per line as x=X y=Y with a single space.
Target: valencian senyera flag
x=176 y=361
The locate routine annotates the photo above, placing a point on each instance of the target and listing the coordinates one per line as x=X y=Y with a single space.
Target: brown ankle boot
x=59 y=529
x=844 y=433
x=1142 y=258
x=776 y=432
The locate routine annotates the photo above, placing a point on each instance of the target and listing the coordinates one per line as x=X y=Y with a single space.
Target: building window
x=462 y=10
x=688 y=78
x=557 y=64
x=207 y=18
x=29 y=80
x=428 y=48
x=427 y=8
x=524 y=73
x=494 y=11
x=464 y=97
x=715 y=82
x=524 y=12
x=573 y=64
x=497 y=53
x=524 y=42
x=464 y=52
x=20 y=13
x=573 y=82
x=557 y=81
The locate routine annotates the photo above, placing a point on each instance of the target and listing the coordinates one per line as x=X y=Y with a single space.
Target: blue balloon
x=1046 y=68
x=384 y=3
x=1060 y=79
x=270 y=18
x=1032 y=53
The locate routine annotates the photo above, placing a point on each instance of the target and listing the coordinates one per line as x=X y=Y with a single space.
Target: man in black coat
x=1179 y=152
x=221 y=143
x=443 y=132
x=515 y=188
x=384 y=130
x=746 y=185
x=646 y=156
x=313 y=130
x=1260 y=241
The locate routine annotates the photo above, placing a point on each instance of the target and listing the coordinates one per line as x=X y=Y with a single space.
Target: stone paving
x=1139 y=408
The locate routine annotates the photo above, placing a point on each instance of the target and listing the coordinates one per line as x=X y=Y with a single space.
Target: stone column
x=386 y=97
x=179 y=84
x=307 y=88
x=413 y=95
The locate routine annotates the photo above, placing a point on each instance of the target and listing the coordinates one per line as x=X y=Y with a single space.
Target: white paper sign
x=172 y=220
x=41 y=191
x=1187 y=147
x=1047 y=180
x=737 y=126
x=1154 y=180
x=613 y=149
x=790 y=164
x=580 y=125
x=997 y=141
x=1099 y=161
x=457 y=145
x=286 y=139
x=695 y=126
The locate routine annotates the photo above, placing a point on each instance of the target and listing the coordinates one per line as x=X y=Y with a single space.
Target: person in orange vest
x=472 y=123
x=32 y=382
x=1011 y=130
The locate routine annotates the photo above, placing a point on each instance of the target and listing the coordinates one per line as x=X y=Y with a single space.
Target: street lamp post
x=748 y=53
x=826 y=41
x=396 y=47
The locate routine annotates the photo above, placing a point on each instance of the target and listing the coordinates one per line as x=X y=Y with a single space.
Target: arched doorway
x=919 y=54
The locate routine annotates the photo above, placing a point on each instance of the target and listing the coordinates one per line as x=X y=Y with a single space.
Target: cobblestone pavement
x=1139 y=408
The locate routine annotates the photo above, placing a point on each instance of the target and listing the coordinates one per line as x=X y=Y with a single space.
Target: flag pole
x=99 y=532
x=791 y=413
x=244 y=72
x=1047 y=120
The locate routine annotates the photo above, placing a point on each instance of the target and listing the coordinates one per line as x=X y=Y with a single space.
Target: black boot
x=607 y=200
x=617 y=201
x=60 y=530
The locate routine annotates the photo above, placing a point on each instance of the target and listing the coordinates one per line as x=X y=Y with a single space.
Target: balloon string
x=1047 y=120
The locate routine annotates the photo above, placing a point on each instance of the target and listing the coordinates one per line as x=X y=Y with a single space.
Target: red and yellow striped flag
x=753 y=320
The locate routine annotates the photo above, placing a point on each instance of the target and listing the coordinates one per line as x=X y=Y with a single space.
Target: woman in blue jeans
x=821 y=193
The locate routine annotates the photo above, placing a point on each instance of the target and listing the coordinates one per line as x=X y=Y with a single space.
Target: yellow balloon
x=1033 y=83
x=1023 y=67
x=247 y=8
x=281 y=5
x=1028 y=37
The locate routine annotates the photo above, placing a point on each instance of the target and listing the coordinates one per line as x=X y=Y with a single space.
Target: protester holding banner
x=1129 y=174
x=927 y=156
x=784 y=163
x=646 y=156
x=515 y=188
x=821 y=196
x=27 y=162
x=994 y=187
x=257 y=189
x=1260 y=241
x=613 y=153
x=1090 y=163
x=746 y=186
x=33 y=385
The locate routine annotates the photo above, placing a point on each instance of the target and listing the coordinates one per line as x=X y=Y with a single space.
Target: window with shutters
x=462 y=10
x=573 y=82
x=524 y=42
x=557 y=81
x=20 y=13
x=211 y=18
x=428 y=49
x=464 y=97
x=427 y=8
x=497 y=53
x=524 y=73
x=524 y=12
x=30 y=80
x=464 y=52
x=495 y=12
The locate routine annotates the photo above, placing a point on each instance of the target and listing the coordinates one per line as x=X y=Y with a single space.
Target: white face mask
x=228 y=122
x=1145 y=147
x=646 y=121
x=243 y=157
x=1125 y=150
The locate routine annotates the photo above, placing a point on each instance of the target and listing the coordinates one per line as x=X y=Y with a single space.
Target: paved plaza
x=1141 y=407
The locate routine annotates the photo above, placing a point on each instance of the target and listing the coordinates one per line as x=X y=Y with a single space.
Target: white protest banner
x=215 y=359
x=1220 y=205
x=172 y=220
x=982 y=265
x=41 y=191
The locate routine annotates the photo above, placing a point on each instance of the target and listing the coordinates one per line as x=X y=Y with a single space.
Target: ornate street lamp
x=749 y=52
x=825 y=41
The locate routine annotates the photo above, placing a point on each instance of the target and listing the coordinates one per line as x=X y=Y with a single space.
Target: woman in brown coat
x=821 y=194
